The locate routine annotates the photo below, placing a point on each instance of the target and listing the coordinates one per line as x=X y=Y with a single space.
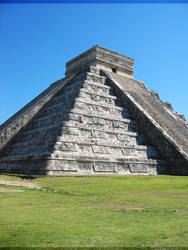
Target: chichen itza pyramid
x=96 y=120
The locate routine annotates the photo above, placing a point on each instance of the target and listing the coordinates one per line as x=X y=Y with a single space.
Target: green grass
x=113 y=211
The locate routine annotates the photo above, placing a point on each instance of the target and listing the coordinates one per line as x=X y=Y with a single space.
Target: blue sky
x=36 y=40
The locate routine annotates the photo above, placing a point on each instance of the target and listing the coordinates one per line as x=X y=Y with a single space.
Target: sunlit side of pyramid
x=97 y=120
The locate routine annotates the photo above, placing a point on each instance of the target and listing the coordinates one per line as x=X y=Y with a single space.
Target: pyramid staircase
x=82 y=129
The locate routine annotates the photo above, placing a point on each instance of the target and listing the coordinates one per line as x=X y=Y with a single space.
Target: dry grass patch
x=5 y=190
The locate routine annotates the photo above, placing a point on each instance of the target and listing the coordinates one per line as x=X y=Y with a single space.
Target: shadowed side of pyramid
x=29 y=149
x=91 y=123
x=162 y=128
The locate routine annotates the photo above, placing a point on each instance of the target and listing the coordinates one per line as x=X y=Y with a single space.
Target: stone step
x=81 y=103
x=130 y=138
x=92 y=87
x=93 y=138
x=55 y=109
x=69 y=132
x=97 y=87
x=80 y=157
x=86 y=94
x=12 y=158
x=63 y=95
x=82 y=88
x=114 y=126
x=107 y=109
x=82 y=135
x=95 y=114
x=106 y=152
x=102 y=158
x=99 y=97
x=31 y=149
x=76 y=120
x=97 y=146
x=61 y=116
x=81 y=116
x=98 y=118
x=49 y=164
x=70 y=104
x=92 y=77
x=78 y=141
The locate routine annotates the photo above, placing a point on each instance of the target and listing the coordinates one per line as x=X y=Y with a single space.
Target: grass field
x=100 y=211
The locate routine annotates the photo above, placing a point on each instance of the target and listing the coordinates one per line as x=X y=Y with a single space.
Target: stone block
x=138 y=168
x=104 y=167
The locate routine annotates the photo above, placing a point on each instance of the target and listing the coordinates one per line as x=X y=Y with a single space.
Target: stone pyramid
x=97 y=120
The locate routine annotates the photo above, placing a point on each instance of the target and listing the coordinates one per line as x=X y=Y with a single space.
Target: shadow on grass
x=26 y=177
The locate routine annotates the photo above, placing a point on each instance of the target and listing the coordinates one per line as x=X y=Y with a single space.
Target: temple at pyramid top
x=102 y=58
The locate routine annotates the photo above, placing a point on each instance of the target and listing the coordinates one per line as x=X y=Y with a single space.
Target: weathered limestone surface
x=13 y=125
x=161 y=126
x=103 y=59
x=95 y=122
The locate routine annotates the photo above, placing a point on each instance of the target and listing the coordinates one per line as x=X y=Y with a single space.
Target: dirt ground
x=17 y=184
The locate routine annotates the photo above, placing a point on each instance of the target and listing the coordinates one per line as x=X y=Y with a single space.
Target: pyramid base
x=57 y=167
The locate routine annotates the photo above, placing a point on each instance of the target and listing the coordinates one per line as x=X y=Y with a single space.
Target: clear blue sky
x=36 y=40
